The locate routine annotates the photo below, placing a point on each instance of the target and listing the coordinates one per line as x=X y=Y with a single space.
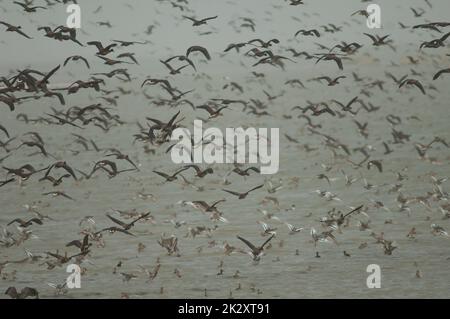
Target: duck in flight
x=101 y=49
x=197 y=23
x=24 y=224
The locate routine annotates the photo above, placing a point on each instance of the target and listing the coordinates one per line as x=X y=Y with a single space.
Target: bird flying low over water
x=139 y=152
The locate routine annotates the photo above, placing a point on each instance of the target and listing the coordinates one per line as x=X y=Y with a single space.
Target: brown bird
x=7 y=181
x=256 y=252
x=23 y=294
x=243 y=195
x=121 y=156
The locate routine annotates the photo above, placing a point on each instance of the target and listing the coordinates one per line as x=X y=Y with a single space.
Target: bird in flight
x=256 y=252
x=12 y=28
x=413 y=82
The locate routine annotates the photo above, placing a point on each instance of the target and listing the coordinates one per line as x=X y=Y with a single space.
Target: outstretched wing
x=198 y=48
x=249 y=244
x=355 y=210
x=217 y=202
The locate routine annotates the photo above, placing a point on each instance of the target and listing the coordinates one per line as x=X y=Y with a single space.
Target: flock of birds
x=56 y=168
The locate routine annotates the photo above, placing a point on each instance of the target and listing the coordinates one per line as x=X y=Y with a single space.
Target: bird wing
x=339 y=63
